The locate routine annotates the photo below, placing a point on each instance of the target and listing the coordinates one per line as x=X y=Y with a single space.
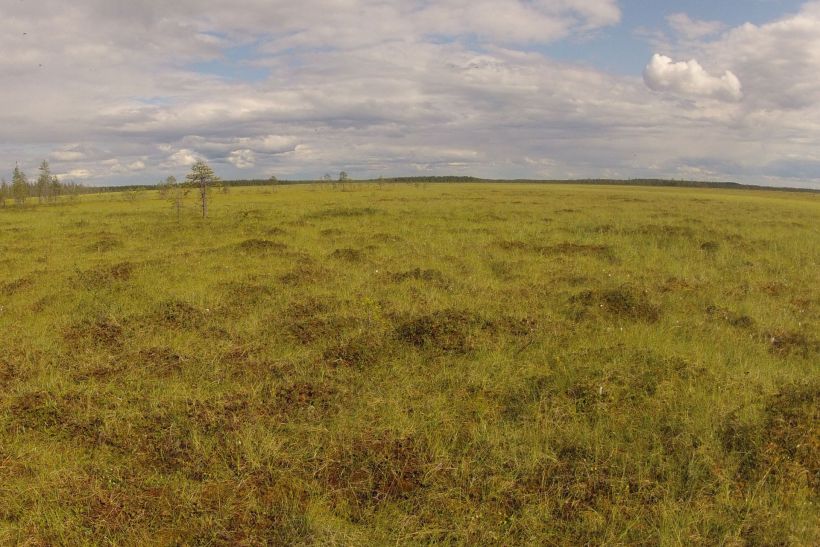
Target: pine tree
x=19 y=186
x=56 y=187
x=202 y=177
x=44 y=183
x=5 y=192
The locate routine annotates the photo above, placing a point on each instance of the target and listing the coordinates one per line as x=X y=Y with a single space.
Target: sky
x=132 y=91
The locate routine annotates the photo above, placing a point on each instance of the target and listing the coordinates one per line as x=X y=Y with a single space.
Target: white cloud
x=76 y=174
x=693 y=29
x=182 y=158
x=451 y=86
x=688 y=78
x=67 y=155
x=243 y=159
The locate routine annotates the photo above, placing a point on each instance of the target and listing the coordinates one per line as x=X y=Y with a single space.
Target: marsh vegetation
x=468 y=364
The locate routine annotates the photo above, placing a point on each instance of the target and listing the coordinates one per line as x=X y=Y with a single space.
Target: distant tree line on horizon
x=46 y=188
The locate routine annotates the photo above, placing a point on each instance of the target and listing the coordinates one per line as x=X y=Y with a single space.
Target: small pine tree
x=5 y=192
x=164 y=187
x=43 y=184
x=56 y=188
x=19 y=186
x=176 y=194
x=202 y=177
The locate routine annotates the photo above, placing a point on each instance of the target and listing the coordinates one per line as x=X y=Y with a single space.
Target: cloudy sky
x=130 y=91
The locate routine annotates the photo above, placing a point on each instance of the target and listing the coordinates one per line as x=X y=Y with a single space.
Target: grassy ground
x=458 y=364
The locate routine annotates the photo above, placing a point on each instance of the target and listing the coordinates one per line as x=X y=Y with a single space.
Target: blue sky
x=116 y=91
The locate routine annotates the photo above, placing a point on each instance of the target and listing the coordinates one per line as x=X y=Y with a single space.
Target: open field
x=457 y=364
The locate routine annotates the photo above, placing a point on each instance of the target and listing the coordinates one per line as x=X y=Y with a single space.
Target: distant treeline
x=38 y=191
x=459 y=179
x=46 y=188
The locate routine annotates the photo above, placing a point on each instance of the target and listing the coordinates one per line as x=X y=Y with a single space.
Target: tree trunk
x=203 y=190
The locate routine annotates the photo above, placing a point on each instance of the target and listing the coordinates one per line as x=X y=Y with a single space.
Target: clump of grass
x=10 y=288
x=564 y=248
x=311 y=320
x=376 y=467
x=106 y=276
x=784 y=342
x=740 y=321
x=178 y=314
x=622 y=302
x=105 y=332
x=261 y=246
x=105 y=243
x=428 y=275
x=359 y=351
x=343 y=212
x=348 y=255
x=448 y=331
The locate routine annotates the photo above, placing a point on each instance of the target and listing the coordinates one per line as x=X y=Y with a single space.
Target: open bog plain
x=401 y=364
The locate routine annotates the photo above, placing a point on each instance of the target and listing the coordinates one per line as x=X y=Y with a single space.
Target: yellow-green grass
x=455 y=364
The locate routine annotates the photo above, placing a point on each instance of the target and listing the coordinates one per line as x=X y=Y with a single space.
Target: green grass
x=454 y=364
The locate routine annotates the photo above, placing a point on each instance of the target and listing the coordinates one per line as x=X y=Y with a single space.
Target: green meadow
x=459 y=364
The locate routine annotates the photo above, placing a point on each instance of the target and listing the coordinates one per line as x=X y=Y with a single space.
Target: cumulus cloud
x=688 y=78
